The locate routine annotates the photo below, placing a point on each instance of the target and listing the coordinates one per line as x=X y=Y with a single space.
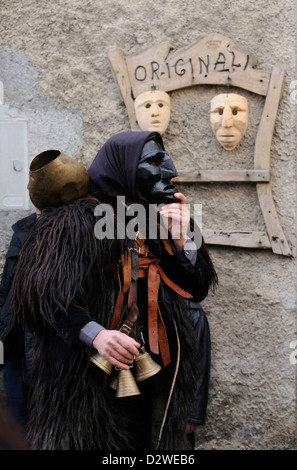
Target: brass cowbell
x=126 y=385
x=145 y=367
x=123 y=382
x=104 y=364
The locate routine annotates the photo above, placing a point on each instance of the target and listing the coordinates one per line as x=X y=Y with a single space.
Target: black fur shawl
x=60 y=264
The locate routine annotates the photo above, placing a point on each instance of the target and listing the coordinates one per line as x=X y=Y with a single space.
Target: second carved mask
x=229 y=118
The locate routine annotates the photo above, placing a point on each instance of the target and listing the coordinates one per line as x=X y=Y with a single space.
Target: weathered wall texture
x=55 y=69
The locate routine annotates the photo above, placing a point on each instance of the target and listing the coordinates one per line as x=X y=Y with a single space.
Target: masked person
x=60 y=288
x=65 y=290
x=135 y=165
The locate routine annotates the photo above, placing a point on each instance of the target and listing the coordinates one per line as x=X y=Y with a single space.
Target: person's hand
x=190 y=427
x=178 y=218
x=118 y=348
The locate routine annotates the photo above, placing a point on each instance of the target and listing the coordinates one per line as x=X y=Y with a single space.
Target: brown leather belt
x=140 y=263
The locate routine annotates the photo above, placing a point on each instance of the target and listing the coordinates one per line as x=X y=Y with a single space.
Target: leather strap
x=144 y=264
x=126 y=269
x=88 y=196
x=132 y=296
x=153 y=281
x=158 y=339
x=134 y=266
x=150 y=267
x=166 y=242
x=140 y=247
x=130 y=269
x=127 y=326
x=172 y=285
x=118 y=306
x=168 y=246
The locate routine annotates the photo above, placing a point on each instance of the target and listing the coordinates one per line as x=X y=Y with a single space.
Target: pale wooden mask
x=229 y=118
x=152 y=110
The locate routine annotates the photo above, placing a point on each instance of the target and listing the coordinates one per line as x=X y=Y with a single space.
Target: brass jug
x=55 y=179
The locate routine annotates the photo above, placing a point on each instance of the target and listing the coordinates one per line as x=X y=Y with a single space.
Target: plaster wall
x=55 y=70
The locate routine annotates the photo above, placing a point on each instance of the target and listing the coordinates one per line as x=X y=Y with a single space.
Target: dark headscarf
x=113 y=171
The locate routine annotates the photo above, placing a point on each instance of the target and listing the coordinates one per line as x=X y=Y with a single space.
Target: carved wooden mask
x=229 y=118
x=152 y=110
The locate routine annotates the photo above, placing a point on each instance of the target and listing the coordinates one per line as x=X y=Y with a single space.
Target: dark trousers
x=15 y=390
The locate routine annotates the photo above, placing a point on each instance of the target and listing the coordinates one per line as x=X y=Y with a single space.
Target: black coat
x=17 y=343
x=10 y=335
x=66 y=390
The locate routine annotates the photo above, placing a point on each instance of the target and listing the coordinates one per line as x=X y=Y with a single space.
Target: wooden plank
x=211 y=60
x=222 y=176
x=268 y=118
x=121 y=75
x=275 y=232
x=254 y=81
x=240 y=239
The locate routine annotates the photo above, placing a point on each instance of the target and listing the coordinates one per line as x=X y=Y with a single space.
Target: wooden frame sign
x=212 y=60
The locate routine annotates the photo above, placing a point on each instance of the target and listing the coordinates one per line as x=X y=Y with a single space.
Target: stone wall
x=55 y=69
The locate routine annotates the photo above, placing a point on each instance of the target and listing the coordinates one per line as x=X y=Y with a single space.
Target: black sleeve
x=11 y=260
x=68 y=323
x=4 y=284
x=7 y=319
x=22 y=229
x=194 y=279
